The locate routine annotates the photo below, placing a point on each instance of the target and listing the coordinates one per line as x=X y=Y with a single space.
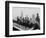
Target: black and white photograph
x=24 y=18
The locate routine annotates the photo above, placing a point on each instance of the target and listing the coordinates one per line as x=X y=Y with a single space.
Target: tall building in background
x=21 y=14
x=37 y=18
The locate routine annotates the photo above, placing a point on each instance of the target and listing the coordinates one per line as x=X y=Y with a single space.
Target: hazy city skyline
x=16 y=11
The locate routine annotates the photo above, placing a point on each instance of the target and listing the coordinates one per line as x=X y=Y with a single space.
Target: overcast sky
x=16 y=11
